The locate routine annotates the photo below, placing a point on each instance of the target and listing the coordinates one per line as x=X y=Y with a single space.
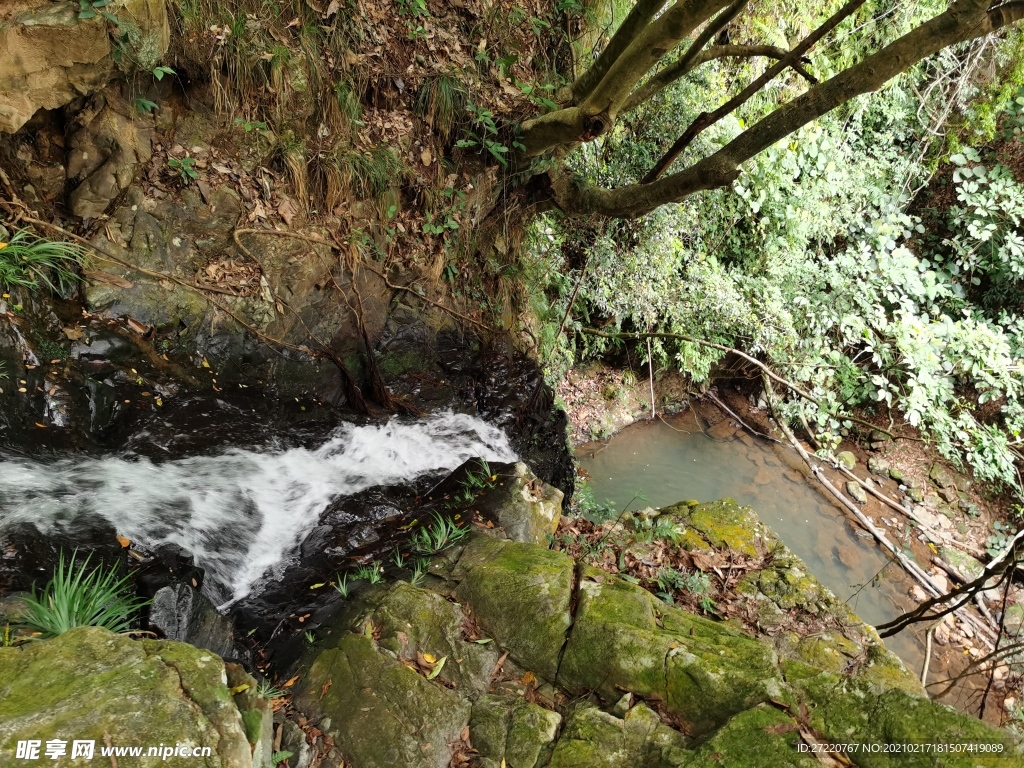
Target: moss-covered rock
x=380 y=712
x=520 y=594
x=511 y=731
x=412 y=621
x=89 y=682
x=723 y=524
x=625 y=640
x=596 y=739
x=854 y=710
x=762 y=737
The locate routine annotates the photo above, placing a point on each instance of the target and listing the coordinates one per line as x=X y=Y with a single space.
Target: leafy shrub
x=78 y=596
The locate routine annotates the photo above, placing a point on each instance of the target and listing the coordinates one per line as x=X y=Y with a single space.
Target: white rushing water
x=241 y=512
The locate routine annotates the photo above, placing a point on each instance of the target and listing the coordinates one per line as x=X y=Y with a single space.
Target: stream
x=241 y=512
x=672 y=460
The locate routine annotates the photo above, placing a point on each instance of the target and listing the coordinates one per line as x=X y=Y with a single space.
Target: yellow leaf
x=205 y=363
x=430 y=658
x=239 y=688
x=317 y=586
x=122 y=540
x=291 y=682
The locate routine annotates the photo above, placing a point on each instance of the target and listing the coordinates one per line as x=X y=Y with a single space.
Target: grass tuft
x=442 y=533
x=442 y=102
x=78 y=596
x=28 y=261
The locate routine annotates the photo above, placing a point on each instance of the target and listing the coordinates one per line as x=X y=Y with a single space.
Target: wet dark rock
x=29 y=556
x=103 y=345
x=179 y=612
x=105 y=408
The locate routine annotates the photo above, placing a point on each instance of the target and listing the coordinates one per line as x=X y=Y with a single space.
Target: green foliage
x=279 y=757
x=145 y=106
x=483 y=134
x=30 y=262
x=440 y=534
x=185 y=168
x=267 y=690
x=250 y=125
x=77 y=596
x=372 y=572
x=88 y=9
x=813 y=262
x=159 y=72
x=341 y=585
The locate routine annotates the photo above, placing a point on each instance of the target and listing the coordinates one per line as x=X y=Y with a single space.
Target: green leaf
x=437 y=668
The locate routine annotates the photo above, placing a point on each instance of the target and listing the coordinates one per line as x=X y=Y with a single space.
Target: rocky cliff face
x=49 y=56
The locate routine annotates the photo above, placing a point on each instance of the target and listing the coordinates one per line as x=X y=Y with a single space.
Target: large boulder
x=379 y=711
x=521 y=595
x=90 y=684
x=49 y=56
x=184 y=614
x=624 y=639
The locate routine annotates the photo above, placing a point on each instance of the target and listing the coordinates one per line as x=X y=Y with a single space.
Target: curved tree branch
x=706 y=119
x=596 y=114
x=641 y=15
x=964 y=20
x=687 y=61
x=670 y=74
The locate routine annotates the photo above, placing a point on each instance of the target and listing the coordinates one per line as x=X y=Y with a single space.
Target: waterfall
x=241 y=512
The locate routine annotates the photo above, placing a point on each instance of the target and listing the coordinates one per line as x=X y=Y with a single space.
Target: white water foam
x=243 y=512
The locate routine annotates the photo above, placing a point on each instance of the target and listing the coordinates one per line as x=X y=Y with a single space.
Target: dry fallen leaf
x=122 y=540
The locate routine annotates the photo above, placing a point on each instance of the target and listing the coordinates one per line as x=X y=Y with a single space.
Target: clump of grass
x=442 y=533
x=341 y=585
x=267 y=690
x=372 y=572
x=28 y=261
x=442 y=101
x=78 y=596
x=369 y=174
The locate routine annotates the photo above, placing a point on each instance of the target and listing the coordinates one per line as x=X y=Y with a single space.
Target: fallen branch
x=742 y=423
x=984 y=632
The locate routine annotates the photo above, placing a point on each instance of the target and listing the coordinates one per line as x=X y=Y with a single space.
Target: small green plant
x=268 y=690
x=88 y=9
x=485 y=134
x=414 y=8
x=145 y=106
x=160 y=72
x=419 y=570
x=372 y=572
x=1000 y=539
x=279 y=757
x=29 y=261
x=657 y=529
x=310 y=637
x=398 y=558
x=185 y=168
x=250 y=125
x=442 y=533
x=341 y=585
x=78 y=596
